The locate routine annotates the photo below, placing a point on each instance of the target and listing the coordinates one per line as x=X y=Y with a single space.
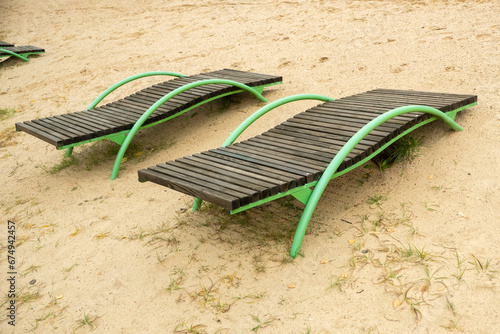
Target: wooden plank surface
x=298 y=150
x=122 y=114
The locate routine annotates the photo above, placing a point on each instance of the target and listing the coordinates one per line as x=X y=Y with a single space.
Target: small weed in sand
x=452 y=325
x=6 y=113
x=483 y=266
x=430 y=206
x=23 y=296
x=404 y=149
x=65 y=163
x=29 y=270
x=262 y=323
x=376 y=199
x=7 y=139
x=101 y=235
x=258 y=263
x=338 y=282
x=187 y=327
x=86 y=321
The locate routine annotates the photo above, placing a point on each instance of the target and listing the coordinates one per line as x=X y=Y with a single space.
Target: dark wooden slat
x=401 y=101
x=84 y=123
x=245 y=195
x=342 y=129
x=229 y=178
x=364 y=110
x=315 y=147
x=22 y=49
x=403 y=120
x=293 y=179
x=34 y=131
x=188 y=188
x=230 y=151
x=420 y=93
x=67 y=139
x=279 y=156
x=62 y=139
x=311 y=136
x=344 y=120
x=267 y=174
x=318 y=155
x=274 y=186
x=342 y=135
x=69 y=128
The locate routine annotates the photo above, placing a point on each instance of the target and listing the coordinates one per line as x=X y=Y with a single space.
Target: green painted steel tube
x=127 y=80
x=262 y=111
x=164 y=99
x=342 y=154
x=259 y=113
x=10 y=53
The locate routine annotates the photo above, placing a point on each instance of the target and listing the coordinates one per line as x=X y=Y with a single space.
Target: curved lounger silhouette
x=21 y=52
x=120 y=120
x=300 y=156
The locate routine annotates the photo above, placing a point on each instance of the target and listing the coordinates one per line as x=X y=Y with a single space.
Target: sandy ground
x=98 y=256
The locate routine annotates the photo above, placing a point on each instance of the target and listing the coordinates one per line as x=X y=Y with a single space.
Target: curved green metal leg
x=14 y=54
x=129 y=79
x=342 y=154
x=197 y=204
x=164 y=99
x=69 y=151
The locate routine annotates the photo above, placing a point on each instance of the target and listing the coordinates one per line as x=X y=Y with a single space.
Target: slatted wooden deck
x=121 y=115
x=27 y=49
x=297 y=151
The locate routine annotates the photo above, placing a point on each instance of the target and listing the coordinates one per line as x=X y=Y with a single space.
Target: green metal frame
x=22 y=55
x=129 y=79
x=137 y=126
x=311 y=197
x=124 y=138
x=117 y=138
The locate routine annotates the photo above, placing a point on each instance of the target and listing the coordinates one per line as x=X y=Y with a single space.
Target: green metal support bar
x=108 y=91
x=129 y=79
x=69 y=151
x=20 y=56
x=264 y=110
x=137 y=126
x=300 y=192
x=342 y=154
x=259 y=113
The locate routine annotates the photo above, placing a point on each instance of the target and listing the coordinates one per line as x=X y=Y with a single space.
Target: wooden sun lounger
x=120 y=120
x=21 y=52
x=304 y=152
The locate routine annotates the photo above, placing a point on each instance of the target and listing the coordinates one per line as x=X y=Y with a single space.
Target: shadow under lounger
x=119 y=120
x=291 y=158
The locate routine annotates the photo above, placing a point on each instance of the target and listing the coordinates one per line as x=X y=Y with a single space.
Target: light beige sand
x=128 y=257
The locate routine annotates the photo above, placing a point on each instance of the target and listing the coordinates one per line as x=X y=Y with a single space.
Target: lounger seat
x=292 y=157
x=22 y=52
x=119 y=120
